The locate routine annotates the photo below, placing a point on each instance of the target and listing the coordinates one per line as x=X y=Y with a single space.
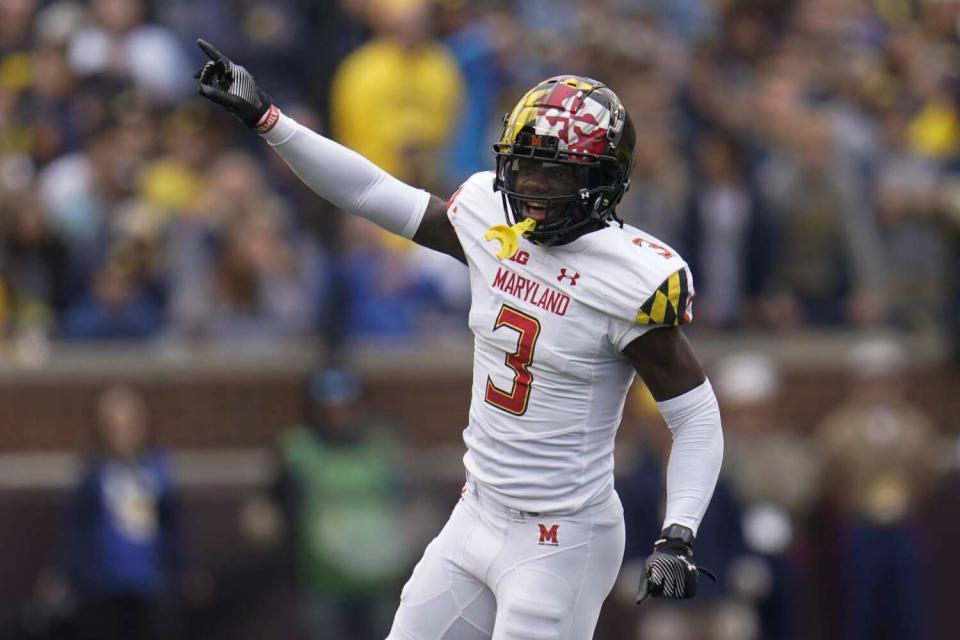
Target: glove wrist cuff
x=676 y=535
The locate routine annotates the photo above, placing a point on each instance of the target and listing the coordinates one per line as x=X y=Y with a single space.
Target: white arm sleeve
x=696 y=454
x=347 y=179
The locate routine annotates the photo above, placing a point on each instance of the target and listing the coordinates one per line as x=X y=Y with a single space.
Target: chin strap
x=509 y=237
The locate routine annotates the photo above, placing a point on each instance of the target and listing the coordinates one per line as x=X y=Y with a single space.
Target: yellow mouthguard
x=509 y=237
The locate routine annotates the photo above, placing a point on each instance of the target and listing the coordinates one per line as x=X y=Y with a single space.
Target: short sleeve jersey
x=549 y=375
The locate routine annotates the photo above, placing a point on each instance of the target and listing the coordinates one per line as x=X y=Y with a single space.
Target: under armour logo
x=563 y=274
x=549 y=536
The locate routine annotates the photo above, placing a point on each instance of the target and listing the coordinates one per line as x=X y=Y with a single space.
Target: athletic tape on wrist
x=269 y=119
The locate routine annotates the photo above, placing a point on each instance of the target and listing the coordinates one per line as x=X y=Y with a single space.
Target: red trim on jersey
x=454 y=197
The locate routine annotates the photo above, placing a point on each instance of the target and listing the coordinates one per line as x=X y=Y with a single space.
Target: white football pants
x=498 y=573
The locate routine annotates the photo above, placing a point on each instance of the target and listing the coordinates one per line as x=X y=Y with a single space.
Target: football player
x=567 y=304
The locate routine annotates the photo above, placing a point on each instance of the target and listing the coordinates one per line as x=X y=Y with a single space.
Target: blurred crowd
x=820 y=527
x=803 y=156
x=816 y=530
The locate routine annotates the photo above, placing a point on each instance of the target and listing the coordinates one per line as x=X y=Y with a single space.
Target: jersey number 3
x=515 y=400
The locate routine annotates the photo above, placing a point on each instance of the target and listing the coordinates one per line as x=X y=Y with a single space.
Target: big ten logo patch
x=549 y=536
x=520 y=257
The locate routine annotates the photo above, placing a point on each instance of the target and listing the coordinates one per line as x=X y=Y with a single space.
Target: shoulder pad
x=671 y=302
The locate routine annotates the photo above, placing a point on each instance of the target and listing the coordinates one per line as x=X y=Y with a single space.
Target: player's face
x=539 y=178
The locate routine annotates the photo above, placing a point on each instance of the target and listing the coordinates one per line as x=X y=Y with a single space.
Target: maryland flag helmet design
x=575 y=121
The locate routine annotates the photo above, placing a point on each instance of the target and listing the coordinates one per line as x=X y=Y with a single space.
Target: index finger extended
x=643 y=592
x=211 y=51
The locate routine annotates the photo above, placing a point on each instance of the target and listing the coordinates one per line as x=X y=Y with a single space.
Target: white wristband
x=276 y=128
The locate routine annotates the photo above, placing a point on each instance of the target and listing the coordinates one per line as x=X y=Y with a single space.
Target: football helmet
x=577 y=127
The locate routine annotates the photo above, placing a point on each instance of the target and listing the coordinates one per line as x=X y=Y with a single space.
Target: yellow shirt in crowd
x=396 y=105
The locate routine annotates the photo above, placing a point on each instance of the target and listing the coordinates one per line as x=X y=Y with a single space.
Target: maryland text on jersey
x=531 y=291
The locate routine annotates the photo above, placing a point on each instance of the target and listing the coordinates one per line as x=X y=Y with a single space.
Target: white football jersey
x=549 y=376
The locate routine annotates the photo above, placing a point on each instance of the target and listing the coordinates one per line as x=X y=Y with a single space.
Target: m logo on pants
x=549 y=536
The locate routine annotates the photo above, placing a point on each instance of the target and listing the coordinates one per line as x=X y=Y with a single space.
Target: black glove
x=669 y=571
x=231 y=86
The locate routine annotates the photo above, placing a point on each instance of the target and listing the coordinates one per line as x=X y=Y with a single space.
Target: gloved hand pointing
x=232 y=87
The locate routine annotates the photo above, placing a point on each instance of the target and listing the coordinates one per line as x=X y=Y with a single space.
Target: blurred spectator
x=539 y=38
x=56 y=22
x=294 y=43
x=908 y=205
x=879 y=453
x=257 y=280
x=119 y=306
x=339 y=493
x=119 y=45
x=90 y=195
x=774 y=473
x=691 y=20
x=818 y=139
x=828 y=269
x=15 y=22
x=51 y=109
x=387 y=292
x=261 y=286
x=472 y=41
x=33 y=265
x=15 y=61
x=726 y=234
x=120 y=550
x=660 y=186
x=396 y=99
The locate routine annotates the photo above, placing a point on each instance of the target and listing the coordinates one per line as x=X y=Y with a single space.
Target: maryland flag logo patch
x=670 y=303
